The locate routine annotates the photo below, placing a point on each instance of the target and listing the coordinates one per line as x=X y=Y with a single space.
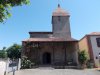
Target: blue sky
x=84 y=19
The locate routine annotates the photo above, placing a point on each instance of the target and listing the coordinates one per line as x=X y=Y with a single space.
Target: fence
x=12 y=65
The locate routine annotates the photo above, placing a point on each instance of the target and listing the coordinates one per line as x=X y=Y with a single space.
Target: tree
x=14 y=51
x=5 y=6
x=3 y=53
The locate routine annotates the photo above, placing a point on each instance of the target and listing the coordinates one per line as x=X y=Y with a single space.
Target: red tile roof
x=48 y=39
x=60 y=12
x=91 y=34
x=94 y=33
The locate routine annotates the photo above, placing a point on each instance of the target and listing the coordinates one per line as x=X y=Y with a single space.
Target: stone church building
x=56 y=48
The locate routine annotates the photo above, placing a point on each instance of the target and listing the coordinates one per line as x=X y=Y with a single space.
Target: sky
x=84 y=19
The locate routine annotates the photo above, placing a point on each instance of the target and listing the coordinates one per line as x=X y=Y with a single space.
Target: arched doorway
x=47 y=58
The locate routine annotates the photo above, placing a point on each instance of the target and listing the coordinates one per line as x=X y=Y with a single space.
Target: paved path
x=2 y=67
x=50 y=71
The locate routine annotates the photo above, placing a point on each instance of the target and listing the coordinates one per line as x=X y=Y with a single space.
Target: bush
x=26 y=63
x=82 y=57
x=90 y=64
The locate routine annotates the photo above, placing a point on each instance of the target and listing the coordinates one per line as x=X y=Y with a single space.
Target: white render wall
x=96 y=50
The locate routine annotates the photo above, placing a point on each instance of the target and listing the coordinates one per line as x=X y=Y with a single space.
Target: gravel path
x=50 y=71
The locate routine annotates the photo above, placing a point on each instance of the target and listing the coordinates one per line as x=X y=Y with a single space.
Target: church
x=56 y=48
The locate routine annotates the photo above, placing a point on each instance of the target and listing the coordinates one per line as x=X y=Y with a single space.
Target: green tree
x=14 y=51
x=6 y=5
x=3 y=53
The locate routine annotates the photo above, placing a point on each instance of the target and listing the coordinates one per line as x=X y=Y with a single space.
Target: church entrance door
x=47 y=58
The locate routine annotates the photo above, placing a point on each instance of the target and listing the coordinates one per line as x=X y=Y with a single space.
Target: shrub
x=90 y=64
x=82 y=57
x=26 y=63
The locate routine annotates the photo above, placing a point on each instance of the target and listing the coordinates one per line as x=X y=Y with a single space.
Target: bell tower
x=60 y=23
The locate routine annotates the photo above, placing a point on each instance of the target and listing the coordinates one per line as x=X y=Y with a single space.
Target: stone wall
x=61 y=26
x=40 y=35
x=60 y=52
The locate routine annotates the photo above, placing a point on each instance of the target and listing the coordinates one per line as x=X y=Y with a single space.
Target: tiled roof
x=91 y=34
x=53 y=39
x=60 y=12
x=94 y=33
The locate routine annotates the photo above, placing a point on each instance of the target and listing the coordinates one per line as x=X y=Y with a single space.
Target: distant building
x=91 y=44
x=53 y=48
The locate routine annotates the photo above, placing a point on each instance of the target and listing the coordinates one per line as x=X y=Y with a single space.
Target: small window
x=96 y=57
x=98 y=42
x=59 y=18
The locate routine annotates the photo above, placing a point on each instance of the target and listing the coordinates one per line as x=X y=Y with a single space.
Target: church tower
x=60 y=23
x=55 y=48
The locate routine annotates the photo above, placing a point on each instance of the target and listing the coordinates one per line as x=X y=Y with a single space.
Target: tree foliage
x=5 y=6
x=3 y=53
x=82 y=56
x=14 y=51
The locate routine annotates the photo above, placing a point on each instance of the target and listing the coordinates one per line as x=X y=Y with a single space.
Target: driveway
x=51 y=71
